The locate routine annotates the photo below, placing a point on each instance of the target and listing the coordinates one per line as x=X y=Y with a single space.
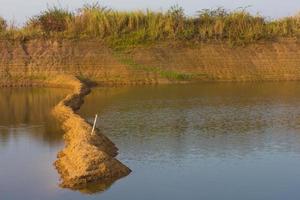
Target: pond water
x=194 y=141
x=29 y=141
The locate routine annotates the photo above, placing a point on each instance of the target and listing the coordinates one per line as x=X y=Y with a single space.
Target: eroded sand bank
x=87 y=158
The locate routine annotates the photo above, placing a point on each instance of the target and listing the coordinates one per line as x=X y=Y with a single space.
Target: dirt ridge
x=87 y=158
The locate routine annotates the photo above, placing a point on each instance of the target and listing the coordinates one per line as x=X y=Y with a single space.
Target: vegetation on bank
x=2 y=25
x=127 y=28
x=170 y=75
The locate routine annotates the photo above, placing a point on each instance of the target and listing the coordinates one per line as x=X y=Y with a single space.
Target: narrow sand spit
x=87 y=158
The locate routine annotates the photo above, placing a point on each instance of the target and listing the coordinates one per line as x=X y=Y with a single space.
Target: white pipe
x=94 y=124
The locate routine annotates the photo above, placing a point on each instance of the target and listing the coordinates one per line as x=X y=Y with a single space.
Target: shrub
x=52 y=20
x=3 y=25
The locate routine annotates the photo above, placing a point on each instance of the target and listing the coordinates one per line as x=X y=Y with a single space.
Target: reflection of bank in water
x=97 y=187
x=24 y=109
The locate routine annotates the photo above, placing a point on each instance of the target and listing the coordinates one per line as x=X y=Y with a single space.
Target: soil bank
x=32 y=61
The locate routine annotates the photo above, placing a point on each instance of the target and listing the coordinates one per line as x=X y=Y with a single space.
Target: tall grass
x=138 y=27
x=97 y=21
x=3 y=25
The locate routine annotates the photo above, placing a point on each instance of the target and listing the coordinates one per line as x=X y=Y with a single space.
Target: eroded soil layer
x=87 y=158
x=29 y=62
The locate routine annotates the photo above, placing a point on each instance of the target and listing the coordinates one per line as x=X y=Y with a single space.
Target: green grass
x=163 y=73
x=177 y=76
x=123 y=29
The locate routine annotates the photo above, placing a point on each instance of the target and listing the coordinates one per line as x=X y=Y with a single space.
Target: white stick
x=94 y=124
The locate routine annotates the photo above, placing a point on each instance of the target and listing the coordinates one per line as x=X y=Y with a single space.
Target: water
x=29 y=141
x=204 y=141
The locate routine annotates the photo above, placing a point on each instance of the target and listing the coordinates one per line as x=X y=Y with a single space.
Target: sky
x=20 y=10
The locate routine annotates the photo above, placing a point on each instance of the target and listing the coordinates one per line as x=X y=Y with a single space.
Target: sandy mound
x=87 y=158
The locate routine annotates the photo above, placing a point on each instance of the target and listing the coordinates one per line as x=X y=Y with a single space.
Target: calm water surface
x=204 y=141
x=29 y=141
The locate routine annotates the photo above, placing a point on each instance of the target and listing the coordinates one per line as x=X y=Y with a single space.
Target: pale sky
x=20 y=10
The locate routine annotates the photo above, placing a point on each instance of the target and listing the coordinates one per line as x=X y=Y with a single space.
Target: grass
x=54 y=19
x=177 y=76
x=163 y=73
x=125 y=29
x=3 y=25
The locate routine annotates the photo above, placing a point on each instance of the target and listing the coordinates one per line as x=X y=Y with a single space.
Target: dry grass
x=3 y=25
x=126 y=28
x=52 y=20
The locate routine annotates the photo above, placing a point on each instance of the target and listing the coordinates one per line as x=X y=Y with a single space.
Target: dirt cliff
x=31 y=62
x=263 y=61
x=28 y=62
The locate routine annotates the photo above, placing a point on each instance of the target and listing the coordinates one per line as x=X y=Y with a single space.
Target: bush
x=3 y=24
x=52 y=20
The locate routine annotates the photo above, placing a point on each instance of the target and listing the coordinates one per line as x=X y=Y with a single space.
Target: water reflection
x=98 y=188
x=29 y=109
